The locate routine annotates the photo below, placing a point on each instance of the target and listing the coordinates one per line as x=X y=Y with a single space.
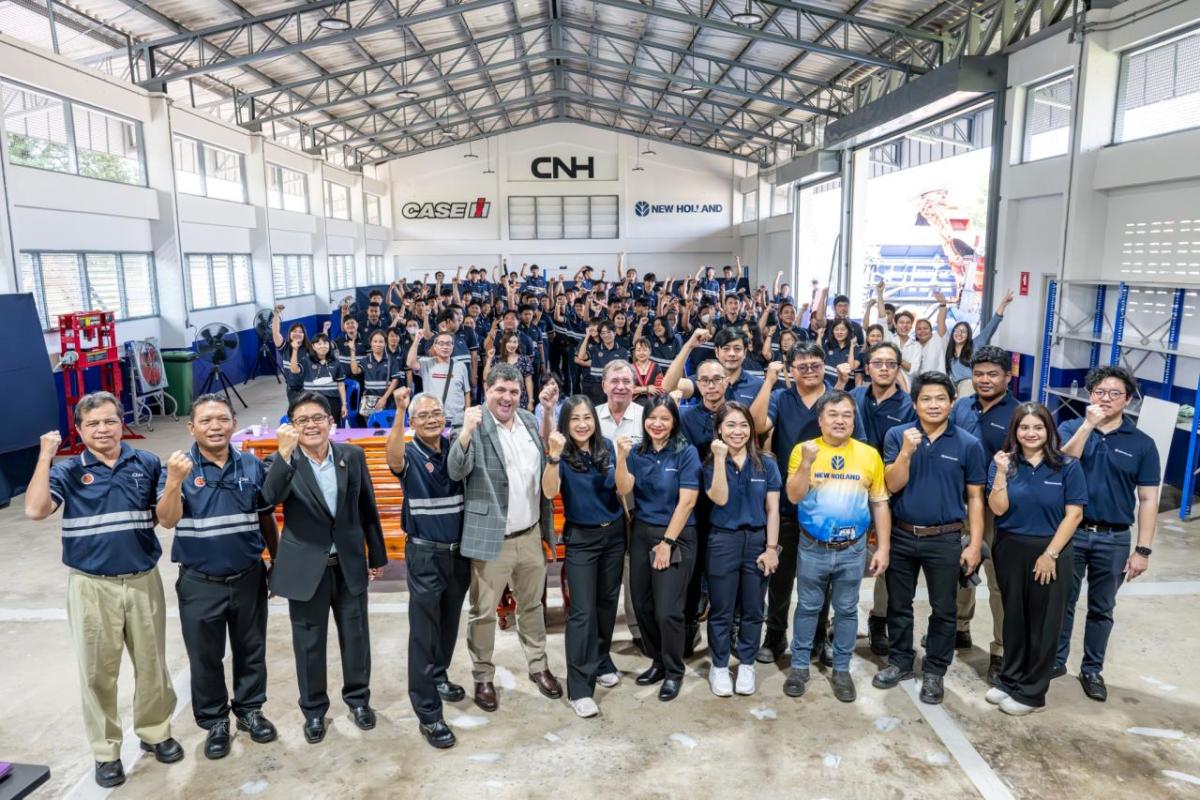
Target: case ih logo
x=478 y=208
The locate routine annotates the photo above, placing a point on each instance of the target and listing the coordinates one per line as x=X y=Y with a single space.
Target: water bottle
x=1074 y=388
x=266 y=428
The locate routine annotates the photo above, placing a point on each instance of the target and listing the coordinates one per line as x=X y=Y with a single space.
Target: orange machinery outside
x=388 y=494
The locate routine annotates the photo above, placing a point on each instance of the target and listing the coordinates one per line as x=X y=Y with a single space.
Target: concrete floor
x=1145 y=742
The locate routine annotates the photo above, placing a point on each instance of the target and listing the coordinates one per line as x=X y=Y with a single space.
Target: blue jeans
x=816 y=568
x=1102 y=557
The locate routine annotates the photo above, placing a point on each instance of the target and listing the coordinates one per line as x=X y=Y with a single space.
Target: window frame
x=187 y=270
x=367 y=197
x=276 y=171
x=1123 y=75
x=202 y=163
x=562 y=225
x=1030 y=89
x=382 y=269
x=39 y=291
x=327 y=196
x=72 y=146
x=329 y=269
x=305 y=259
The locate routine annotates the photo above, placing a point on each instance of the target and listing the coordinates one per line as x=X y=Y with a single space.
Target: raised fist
x=843 y=371
x=1002 y=460
x=556 y=444
x=808 y=453
x=178 y=466
x=472 y=417
x=1095 y=415
x=325 y=328
x=279 y=307
x=719 y=450
x=288 y=437
x=549 y=395
x=912 y=440
x=400 y=396
x=700 y=336
x=51 y=441
x=624 y=446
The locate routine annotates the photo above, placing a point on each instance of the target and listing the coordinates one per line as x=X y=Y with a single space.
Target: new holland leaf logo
x=642 y=208
x=838 y=462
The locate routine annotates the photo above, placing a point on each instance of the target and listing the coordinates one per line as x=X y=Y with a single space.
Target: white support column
x=164 y=230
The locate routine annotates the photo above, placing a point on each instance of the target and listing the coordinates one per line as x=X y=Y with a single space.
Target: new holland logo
x=478 y=208
x=837 y=462
x=642 y=208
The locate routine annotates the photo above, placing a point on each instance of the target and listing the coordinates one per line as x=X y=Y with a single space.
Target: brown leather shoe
x=485 y=696
x=547 y=684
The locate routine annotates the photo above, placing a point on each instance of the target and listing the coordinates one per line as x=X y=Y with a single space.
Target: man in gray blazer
x=499 y=458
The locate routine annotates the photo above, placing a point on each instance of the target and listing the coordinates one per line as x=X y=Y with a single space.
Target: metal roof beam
x=198 y=55
x=480 y=116
x=655 y=137
x=466 y=139
x=762 y=35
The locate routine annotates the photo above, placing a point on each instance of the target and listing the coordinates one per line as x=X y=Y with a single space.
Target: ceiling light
x=693 y=89
x=638 y=168
x=489 y=171
x=470 y=155
x=746 y=17
x=649 y=151
x=407 y=94
x=666 y=128
x=333 y=24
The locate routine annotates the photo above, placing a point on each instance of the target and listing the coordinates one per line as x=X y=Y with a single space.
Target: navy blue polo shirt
x=938 y=475
x=342 y=349
x=219 y=533
x=744 y=389
x=433 y=504
x=294 y=382
x=697 y=423
x=990 y=426
x=378 y=375
x=1037 y=496
x=1114 y=464
x=108 y=513
x=793 y=422
x=590 y=495
x=663 y=353
x=748 y=487
x=323 y=377
x=711 y=288
x=657 y=479
x=880 y=417
x=600 y=356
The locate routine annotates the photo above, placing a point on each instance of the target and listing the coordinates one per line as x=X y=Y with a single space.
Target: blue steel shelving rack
x=1170 y=351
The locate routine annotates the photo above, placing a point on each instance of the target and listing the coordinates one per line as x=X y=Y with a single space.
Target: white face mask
x=412 y=331
x=705 y=319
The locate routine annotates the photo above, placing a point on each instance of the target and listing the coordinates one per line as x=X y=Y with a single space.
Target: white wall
x=663 y=243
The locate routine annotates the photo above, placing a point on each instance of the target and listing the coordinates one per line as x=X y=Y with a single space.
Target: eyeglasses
x=883 y=364
x=427 y=415
x=92 y=424
x=804 y=369
x=1108 y=394
x=710 y=381
x=314 y=419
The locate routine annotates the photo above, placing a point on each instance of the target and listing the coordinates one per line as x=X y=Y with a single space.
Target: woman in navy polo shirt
x=324 y=374
x=1037 y=495
x=743 y=540
x=663 y=472
x=376 y=371
x=582 y=465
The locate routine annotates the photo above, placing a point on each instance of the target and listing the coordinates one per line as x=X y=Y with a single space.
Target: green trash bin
x=178 y=364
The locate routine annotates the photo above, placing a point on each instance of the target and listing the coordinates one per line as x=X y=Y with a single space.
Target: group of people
x=710 y=492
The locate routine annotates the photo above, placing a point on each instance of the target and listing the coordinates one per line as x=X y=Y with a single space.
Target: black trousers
x=310 y=635
x=938 y=557
x=208 y=611
x=699 y=579
x=780 y=587
x=1033 y=614
x=659 y=594
x=438 y=581
x=595 y=564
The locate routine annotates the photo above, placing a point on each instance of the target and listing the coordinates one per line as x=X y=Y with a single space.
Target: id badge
x=843 y=534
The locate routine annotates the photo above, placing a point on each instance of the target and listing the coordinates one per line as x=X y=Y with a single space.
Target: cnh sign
x=555 y=168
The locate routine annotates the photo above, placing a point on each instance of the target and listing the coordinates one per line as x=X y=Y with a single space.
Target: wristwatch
x=1143 y=551
x=553 y=459
x=670 y=542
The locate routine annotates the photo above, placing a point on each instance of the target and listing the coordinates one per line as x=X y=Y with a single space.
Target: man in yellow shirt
x=837 y=485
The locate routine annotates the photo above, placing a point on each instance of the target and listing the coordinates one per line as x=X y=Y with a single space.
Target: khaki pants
x=966 y=597
x=108 y=615
x=521 y=565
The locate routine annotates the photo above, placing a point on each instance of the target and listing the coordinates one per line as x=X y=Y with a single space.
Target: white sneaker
x=1015 y=709
x=609 y=679
x=720 y=682
x=585 y=707
x=746 y=683
x=996 y=696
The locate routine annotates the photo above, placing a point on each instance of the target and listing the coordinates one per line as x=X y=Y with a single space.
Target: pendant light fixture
x=747 y=17
x=405 y=93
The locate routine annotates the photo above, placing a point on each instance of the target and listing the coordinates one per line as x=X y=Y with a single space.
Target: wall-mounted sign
x=555 y=168
x=478 y=208
x=644 y=209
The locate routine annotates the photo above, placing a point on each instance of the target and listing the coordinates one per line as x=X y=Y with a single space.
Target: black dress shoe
x=669 y=690
x=438 y=734
x=451 y=693
x=890 y=677
x=962 y=640
x=994 y=664
x=259 y=727
x=653 y=675
x=314 y=730
x=877 y=632
x=770 y=652
x=109 y=773
x=932 y=690
x=796 y=683
x=216 y=744
x=364 y=717
x=843 y=686
x=1058 y=671
x=1093 y=686
x=166 y=752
